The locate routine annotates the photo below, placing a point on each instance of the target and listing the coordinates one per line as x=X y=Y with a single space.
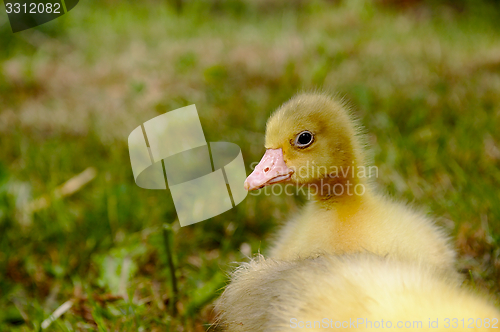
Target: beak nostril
x=266 y=169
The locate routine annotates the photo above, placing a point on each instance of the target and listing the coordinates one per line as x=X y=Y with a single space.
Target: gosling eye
x=304 y=139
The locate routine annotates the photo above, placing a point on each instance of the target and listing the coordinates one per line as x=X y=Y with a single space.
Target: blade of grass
x=168 y=240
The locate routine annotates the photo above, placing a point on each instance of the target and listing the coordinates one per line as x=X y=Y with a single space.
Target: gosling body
x=366 y=290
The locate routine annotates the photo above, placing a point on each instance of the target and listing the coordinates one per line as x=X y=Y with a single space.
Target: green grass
x=424 y=82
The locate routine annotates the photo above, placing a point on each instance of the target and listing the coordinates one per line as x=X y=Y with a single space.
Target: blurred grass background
x=423 y=76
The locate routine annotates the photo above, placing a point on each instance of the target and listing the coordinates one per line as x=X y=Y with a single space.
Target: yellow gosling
x=313 y=141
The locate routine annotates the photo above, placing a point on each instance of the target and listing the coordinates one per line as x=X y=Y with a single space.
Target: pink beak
x=271 y=169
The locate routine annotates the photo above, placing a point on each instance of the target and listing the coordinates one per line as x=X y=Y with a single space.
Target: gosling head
x=311 y=139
